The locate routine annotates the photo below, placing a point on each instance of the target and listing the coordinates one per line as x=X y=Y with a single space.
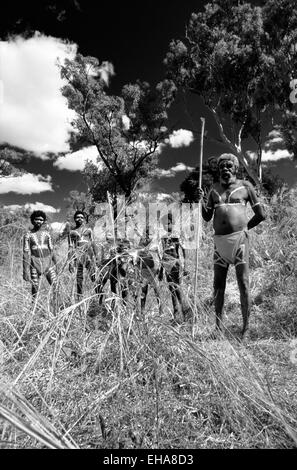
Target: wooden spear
x=199 y=225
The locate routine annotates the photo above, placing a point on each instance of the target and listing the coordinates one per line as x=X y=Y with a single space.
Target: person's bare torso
x=229 y=206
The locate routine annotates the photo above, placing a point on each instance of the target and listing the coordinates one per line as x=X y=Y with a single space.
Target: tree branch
x=233 y=147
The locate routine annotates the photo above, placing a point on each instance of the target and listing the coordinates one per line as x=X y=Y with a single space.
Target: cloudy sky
x=34 y=115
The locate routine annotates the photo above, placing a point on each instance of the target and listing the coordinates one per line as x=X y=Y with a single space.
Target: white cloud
x=25 y=184
x=126 y=122
x=58 y=227
x=76 y=161
x=163 y=196
x=270 y=155
x=37 y=206
x=274 y=137
x=148 y=195
x=274 y=134
x=34 y=114
x=181 y=167
x=106 y=71
x=161 y=173
x=13 y=207
x=171 y=172
x=276 y=140
x=180 y=138
x=277 y=155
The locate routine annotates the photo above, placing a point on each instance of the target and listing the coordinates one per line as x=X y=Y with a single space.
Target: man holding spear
x=226 y=203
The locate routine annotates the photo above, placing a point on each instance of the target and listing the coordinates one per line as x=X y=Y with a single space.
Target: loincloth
x=41 y=264
x=231 y=249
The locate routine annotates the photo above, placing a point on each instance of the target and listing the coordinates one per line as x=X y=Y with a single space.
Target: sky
x=131 y=35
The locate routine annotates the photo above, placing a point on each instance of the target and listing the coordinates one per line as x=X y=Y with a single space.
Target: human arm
x=259 y=214
x=26 y=258
x=206 y=204
x=257 y=218
x=71 y=254
x=51 y=248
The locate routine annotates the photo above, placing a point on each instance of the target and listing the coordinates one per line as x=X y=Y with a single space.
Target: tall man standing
x=227 y=202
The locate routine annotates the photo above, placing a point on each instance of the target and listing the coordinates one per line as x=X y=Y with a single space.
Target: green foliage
x=240 y=64
x=9 y=158
x=78 y=201
x=12 y=226
x=125 y=129
x=288 y=131
x=272 y=185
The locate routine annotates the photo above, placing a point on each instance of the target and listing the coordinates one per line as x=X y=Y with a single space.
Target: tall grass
x=89 y=377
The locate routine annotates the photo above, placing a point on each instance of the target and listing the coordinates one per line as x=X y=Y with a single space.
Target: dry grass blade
x=29 y=421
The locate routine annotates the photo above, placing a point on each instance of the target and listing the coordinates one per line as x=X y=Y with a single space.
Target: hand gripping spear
x=199 y=226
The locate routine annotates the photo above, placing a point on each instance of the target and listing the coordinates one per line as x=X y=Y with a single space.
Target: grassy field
x=119 y=380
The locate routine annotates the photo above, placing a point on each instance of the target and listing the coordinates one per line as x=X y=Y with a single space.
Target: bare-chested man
x=227 y=202
x=38 y=253
x=82 y=251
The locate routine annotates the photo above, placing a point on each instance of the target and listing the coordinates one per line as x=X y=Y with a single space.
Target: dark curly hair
x=80 y=212
x=37 y=214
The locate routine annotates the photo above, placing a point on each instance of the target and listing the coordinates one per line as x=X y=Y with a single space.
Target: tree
x=240 y=65
x=10 y=158
x=280 y=22
x=78 y=201
x=126 y=130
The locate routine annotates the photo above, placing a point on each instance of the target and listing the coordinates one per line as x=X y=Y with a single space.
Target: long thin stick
x=198 y=224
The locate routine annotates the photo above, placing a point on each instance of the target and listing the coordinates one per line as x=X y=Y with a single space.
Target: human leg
x=144 y=291
x=35 y=279
x=51 y=276
x=242 y=274
x=220 y=277
x=173 y=279
x=79 y=279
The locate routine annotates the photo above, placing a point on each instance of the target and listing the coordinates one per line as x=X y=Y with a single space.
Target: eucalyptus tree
x=126 y=130
x=241 y=66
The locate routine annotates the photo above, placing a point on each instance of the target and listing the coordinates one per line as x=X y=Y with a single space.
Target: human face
x=38 y=222
x=213 y=164
x=227 y=170
x=79 y=220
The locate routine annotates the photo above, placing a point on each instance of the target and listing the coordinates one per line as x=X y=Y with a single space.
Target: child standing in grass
x=38 y=253
x=173 y=265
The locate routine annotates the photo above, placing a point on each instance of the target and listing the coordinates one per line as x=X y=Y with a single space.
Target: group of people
x=225 y=203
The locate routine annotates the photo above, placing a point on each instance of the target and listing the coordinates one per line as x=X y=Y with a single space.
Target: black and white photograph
x=148 y=228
